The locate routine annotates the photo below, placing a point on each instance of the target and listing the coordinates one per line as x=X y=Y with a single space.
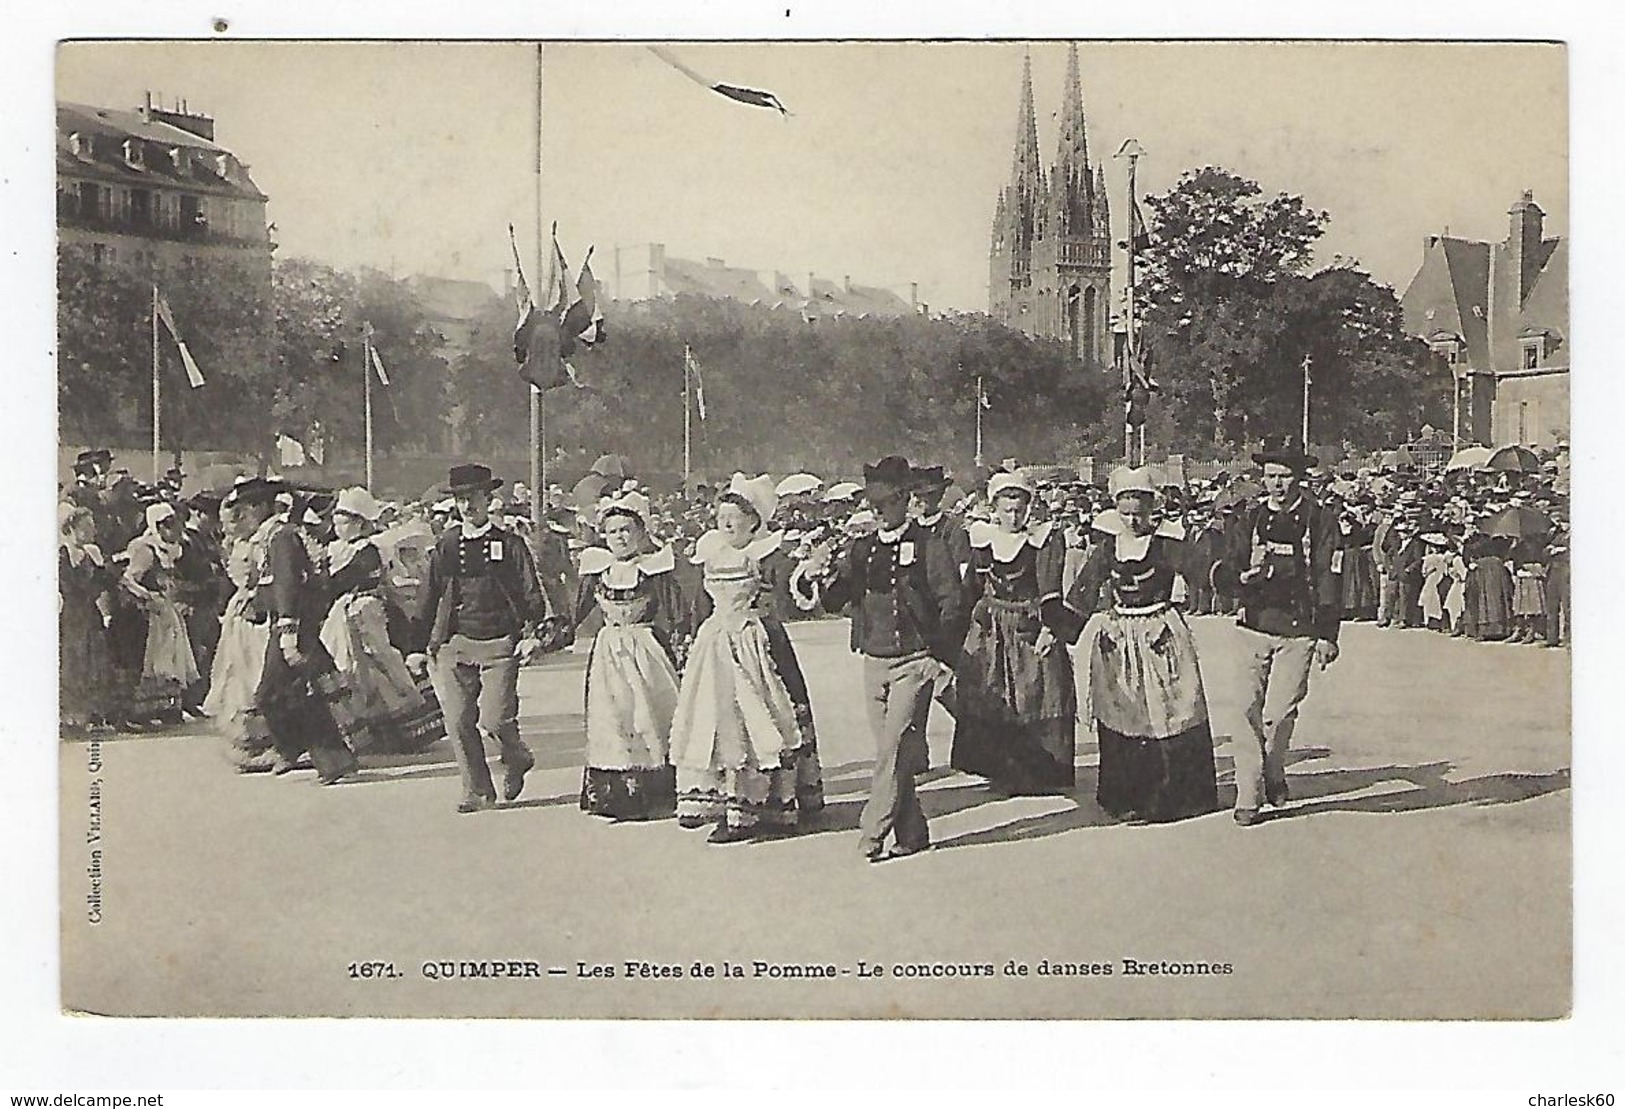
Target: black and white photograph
x=849 y=529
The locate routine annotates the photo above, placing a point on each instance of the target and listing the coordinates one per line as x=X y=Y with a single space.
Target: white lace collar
x=1006 y=545
x=930 y=521
x=713 y=547
x=480 y=532
x=1110 y=522
x=340 y=553
x=625 y=573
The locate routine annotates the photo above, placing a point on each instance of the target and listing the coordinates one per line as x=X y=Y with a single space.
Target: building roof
x=714 y=279
x=198 y=169
x=452 y=299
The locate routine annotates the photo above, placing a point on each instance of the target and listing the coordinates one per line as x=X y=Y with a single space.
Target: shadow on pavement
x=1430 y=790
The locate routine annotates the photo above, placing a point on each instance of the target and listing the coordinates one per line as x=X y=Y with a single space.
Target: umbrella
x=1469 y=458
x=1237 y=493
x=843 y=491
x=1518 y=522
x=798 y=483
x=611 y=465
x=1514 y=459
x=1398 y=459
x=589 y=489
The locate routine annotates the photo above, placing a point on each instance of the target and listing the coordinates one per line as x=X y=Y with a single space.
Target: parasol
x=843 y=491
x=1239 y=492
x=1518 y=522
x=1514 y=459
x=589 y=489
x=798 y=483
x=1469 y=458
x=611 y=465
x=1398 y=459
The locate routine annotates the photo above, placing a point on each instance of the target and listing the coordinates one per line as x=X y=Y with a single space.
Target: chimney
x=200 y=125
x=846 y=283
x=146 y=109
x=715 y=263
x=913 y=294
x=1523 y=243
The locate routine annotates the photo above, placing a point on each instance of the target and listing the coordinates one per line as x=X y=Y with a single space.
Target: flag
x=378 y=364
x=981 y=396
x=582 y=320
x=193 y=374
x=1139 y=238
x=536 y=337
x=290 y=452
x=1140 y=387
x=756 y=98
x=693 y=369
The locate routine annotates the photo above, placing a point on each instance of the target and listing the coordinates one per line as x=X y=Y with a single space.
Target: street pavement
x=1423 y=869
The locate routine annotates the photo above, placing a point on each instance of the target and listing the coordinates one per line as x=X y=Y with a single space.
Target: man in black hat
x=902 y=589
x=1278 y=561
x=479 y=615
x=925 y=506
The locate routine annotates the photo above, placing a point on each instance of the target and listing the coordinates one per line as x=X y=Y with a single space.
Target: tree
x=104 y=360
x=1231 y=311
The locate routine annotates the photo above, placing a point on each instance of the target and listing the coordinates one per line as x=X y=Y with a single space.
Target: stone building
x=1049 y=265
x=645 y=272
x=152 y=187
x=1497 y=316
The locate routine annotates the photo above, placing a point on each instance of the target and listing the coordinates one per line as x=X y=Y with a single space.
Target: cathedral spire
x=1071 y=180
x=1026 y=172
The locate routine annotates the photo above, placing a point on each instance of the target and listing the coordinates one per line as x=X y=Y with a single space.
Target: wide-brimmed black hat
x=892 y=472
x=1285 y=450
x=470 y=476
x=930 y=477
x=253 y=490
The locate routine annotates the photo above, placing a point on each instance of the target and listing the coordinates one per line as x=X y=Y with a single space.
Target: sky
x=415 y=157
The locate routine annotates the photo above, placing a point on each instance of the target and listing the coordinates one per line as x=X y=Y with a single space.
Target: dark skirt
x=1015 y=713
x=85 y=677
x=629 y=794
x=1157 y=779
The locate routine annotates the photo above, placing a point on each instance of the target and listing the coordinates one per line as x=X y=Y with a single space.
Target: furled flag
x=537 y=338
x=693 y=369
x=1141 y=385
x=1139 y=237
x=583 y=321
x=756 y=98
x=377 y=362
x=193 y=374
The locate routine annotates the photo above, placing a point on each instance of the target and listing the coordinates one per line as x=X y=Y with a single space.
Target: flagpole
x=979 y=396
x=366 y=394
x=1131 y=150
x=1306 y=363
x=157 y=407
x=687 y=433
x=538 y=411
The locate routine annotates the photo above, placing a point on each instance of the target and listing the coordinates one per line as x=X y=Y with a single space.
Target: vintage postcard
x=831 y=529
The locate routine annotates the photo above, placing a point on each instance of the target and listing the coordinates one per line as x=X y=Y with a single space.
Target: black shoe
x=476 y=804
x=513 y=779
x=1277 y=795
x=730 y=833
x=342 y=772
x=1248 y=817
x=693 y=822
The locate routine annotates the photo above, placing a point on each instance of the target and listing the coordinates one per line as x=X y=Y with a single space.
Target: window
x=222 y=164
x=141 y=207
x=1533 y=350
x=133 y=154
x=121 y=204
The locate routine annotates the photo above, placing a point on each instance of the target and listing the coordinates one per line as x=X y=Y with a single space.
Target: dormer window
x=177 y=158
x=222 y=164
x=1533 y=350
x=133 y=156
x=76 y=143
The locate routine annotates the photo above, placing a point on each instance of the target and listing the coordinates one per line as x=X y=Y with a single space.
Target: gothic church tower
x=1050 y=260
